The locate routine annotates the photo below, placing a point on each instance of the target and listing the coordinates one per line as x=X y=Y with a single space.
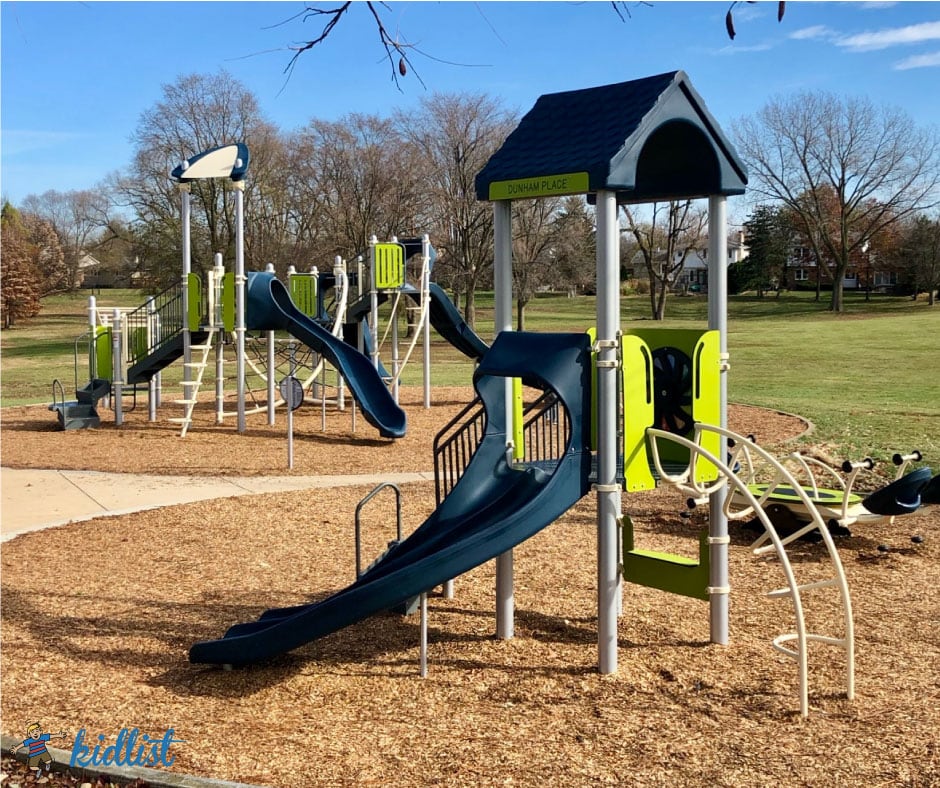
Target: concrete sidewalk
x=31 y=500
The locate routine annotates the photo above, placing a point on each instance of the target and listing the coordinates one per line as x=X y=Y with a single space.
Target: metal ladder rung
x=185 y=401
x=180 y=420
x=824 y=639
x=785 y=592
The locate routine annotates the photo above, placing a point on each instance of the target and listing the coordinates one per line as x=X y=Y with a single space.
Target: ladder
x=744 y=452
x=191 y=387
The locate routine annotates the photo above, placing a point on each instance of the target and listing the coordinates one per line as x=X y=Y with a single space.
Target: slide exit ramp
x=493 y=507
x=443 y=314
x=269 y=308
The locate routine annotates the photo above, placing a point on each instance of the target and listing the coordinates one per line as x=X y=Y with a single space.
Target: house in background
x=866 y=271
x=693 y=278
x=92 y=273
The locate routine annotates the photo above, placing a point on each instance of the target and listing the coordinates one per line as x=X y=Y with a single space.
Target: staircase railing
x=455 y=445
x=155 y=322
x=546 y=434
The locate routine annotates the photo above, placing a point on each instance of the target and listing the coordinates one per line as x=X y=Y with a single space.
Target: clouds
x=881 y=39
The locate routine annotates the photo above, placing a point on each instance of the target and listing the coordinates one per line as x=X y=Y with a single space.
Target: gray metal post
x=502 y=280
x=215 y=319
x=718 y=319
x=425 y=294
x=153 y=385
x=239 y=187
x=608 y=491
x=186 y=201
x=373 y=303
x=271 y=383
x=117 y=364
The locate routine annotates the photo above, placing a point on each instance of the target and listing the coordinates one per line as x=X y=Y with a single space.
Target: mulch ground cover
x=97 y=618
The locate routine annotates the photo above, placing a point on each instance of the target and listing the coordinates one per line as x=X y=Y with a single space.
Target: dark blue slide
x=445 y=318
x=269 y=307
x=492 y=508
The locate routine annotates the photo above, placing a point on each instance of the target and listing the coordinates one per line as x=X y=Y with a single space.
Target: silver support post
x=373 y=303
x=271 y=383
x=215 y=318
x=423 y=645
x=608 y=497
x=239 y=187
x=153 y=385
x=426 y=294
x=117 y=364
x=186 y=201
x=718 y=320
x=502 y=279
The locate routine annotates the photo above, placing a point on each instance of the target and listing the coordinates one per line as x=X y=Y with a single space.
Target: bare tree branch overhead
x=397 y=49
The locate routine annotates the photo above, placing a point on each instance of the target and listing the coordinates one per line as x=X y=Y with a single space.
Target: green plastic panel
x=303 y=292
x=518 y=432
x=228 y=301
x=665 y=571
x=139 y=344
x=101 y=348
x=638 y=412
x=702 y=347
x=388 y=266
x=193 y=301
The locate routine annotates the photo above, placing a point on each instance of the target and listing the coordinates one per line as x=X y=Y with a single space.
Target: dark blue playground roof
x=646 y=139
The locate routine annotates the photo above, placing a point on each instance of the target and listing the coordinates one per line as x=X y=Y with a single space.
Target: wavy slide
x=490 y=510
x=269 y=307
x=445 y=318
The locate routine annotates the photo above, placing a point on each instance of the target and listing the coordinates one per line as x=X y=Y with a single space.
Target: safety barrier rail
x=546 y=432
x=455 y=445
x=156 y=322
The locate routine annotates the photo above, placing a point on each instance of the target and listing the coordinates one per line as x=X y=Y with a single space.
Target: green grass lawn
x=869 y=379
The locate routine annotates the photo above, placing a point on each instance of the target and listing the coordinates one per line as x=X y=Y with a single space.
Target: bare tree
x=78 y=218
x=673 y=231
x=846 y=168
x=454 y=136
x=920 y=251
x=361 y=179
x=575 y=266
x=195 y=113
x=533 y=249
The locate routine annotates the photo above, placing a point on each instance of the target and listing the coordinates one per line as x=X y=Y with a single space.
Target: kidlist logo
x=130 y=748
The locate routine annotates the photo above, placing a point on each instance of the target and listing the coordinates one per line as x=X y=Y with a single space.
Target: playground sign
x=292 y=391
x=540 y=186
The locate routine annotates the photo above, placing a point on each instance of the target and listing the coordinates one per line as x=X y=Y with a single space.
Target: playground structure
x=839 y=505
x=129 y=348
x=616 y=411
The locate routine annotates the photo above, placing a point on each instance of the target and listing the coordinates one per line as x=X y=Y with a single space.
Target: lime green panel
x=638 y=414
x=592 y=336
x=518 y=433
x=139 y=345
x=102 y=352
x=702 y=348
x=665 y=571
x=706 y=399
x=389 y=266
x=540 y=186
x=194 y=301
x=228 y=301
x=303 y=292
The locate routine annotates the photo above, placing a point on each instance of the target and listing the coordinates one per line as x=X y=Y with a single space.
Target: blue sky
x=76 y=76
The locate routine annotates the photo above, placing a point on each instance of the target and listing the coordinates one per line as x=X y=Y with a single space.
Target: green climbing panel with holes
x=676 y=574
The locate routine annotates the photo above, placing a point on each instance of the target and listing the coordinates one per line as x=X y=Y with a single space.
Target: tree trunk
x=469 y=309
x=836 y=304
x=520 y=314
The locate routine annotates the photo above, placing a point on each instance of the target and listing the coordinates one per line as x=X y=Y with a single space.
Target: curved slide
x=490 y=510
x=269 y=307
x=445 y=318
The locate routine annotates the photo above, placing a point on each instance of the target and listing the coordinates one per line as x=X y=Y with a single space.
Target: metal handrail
x=359 y=508
x=454 y=450
x=547 y=432
x=162 y=317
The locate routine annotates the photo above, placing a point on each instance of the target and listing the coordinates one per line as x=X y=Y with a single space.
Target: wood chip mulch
x=98 y=617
